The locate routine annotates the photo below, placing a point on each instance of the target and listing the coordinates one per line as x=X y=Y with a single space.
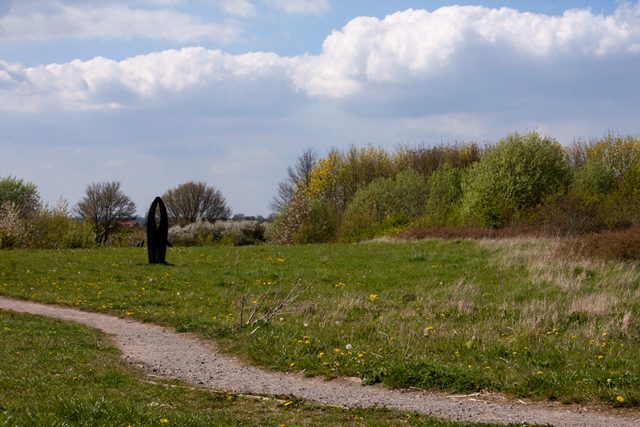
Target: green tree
x=593 y=180
x=445 y=191
x=512 y=178
x=21 y=194
x=385 y=204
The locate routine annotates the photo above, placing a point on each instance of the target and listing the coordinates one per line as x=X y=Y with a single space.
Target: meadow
x=513 y=316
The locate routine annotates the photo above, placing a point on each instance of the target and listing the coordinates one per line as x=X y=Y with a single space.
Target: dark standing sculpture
x=157 y=233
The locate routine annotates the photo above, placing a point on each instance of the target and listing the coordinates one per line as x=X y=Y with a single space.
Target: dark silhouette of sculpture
x=157 y=234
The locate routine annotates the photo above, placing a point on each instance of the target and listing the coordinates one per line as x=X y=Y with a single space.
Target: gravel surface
x=169 y=354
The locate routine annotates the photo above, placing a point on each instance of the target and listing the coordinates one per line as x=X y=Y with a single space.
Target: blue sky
x=154 y=93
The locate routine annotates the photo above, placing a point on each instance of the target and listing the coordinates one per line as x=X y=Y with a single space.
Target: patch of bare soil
x=168 y=354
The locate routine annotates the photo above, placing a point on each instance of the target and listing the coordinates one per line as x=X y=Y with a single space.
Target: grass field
x=60 y=374
x=510 y=316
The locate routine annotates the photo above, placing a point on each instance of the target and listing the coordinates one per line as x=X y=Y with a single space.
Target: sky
x=155 y=93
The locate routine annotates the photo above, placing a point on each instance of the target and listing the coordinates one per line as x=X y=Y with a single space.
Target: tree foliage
x=512 y=178
x=445 y=192
x=105 y=206
x=193 y=201
x=21 y=194
x=384 y=204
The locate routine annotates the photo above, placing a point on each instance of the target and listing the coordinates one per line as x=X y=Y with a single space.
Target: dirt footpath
x=182 y=356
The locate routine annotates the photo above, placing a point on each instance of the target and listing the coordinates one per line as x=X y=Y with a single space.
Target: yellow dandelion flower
x=373 y=297
x=620 y=399
x=164 y=421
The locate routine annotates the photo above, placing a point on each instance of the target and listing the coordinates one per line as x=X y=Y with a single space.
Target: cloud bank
x=406 y=50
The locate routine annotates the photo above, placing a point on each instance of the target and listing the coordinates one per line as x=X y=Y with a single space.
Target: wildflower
x=620 y=399
x=427 y=330
x=164 y=421
x=600 y=356
x=348 y=346
x=373 y=297
x=539 y=373
x=340 y=285
x=337 y=350
x=321 y=354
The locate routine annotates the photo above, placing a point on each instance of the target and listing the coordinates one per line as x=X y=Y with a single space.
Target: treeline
x=525 y=181
x=198 y=214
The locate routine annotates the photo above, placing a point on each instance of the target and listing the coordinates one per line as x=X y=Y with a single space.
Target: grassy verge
x=54 y=373
x=508 y=316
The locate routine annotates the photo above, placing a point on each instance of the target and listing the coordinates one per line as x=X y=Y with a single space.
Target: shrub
x=620 y=245
x=203 y=233
x=13 y=229
x=318 y=225
x=55 y=229
x=445 y=191
x=384 y=205
x=47 y=228
x=593 y=180
x=512 y=178
x=567 y=215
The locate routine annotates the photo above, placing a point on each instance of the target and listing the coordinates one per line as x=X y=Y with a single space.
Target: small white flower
x=348 y=346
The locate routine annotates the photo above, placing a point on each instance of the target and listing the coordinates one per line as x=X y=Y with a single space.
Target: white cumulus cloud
x=418 y=44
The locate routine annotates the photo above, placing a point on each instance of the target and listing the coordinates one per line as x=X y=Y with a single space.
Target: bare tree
x=105 y=206
x=192 y=201
x=298 y=175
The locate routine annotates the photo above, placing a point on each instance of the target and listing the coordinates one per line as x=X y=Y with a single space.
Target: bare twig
x=259 y=304
x=275 y=309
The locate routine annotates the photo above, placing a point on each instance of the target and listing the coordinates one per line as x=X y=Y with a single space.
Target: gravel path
x=182 y=356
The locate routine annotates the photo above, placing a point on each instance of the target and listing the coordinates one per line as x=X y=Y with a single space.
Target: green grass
x=60 y=374
x=443 y=315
